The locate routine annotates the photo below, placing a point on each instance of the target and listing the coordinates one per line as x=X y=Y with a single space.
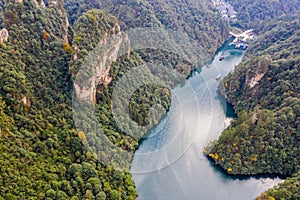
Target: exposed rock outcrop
x=53 y=3
x=66 y=30
x=262 y=66
x=105 y=53
x=255 y=80
x=4 y=35
x=37 y=3
x=42 y=3
x=26 y=102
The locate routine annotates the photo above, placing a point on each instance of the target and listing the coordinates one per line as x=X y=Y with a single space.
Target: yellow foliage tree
x=82 y=136
x=68 y=48
x=216 y=156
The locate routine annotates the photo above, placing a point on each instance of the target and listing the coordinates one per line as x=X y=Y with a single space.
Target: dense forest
x=196 y=18
x=264 y=90
x=254 y=14
x=43 y=46
x=43 y=153
x=42 y=156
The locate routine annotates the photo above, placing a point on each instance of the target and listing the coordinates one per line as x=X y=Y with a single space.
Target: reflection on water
x=169 y=163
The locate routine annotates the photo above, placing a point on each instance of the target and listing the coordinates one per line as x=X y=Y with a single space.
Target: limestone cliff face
x=38 y=3
x=98 y=64
x=4 y=35
x=66 y=30
x=261 y=67
x=42 y=3
x=53 y=3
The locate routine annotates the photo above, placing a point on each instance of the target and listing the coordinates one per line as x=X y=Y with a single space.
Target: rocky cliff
x=4 y=35
x=92 y=60
x=105 y=53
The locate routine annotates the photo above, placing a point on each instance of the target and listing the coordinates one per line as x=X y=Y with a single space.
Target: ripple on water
x=169 y=164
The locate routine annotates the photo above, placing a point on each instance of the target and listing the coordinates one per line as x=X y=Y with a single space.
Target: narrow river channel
x=169 y=164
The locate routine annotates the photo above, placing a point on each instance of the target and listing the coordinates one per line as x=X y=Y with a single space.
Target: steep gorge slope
x=42 y=156
x=264 y=90
x=196 y=18
x=254 y=14
x=42 y=153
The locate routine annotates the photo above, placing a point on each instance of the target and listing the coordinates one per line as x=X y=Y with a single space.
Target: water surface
x=169 y=164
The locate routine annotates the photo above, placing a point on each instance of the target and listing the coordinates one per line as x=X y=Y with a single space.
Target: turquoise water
x=169 y=163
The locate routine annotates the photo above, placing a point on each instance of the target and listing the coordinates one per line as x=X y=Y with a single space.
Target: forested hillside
x=42 y=156
x=254 y=14
x=196 y=18
x=264 y=90
x=43 y=46
x=41 y=51
x=289 y=189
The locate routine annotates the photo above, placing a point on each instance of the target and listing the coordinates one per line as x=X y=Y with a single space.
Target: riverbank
x=169 y=163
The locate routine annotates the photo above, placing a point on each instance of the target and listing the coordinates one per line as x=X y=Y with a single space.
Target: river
x=169 y=164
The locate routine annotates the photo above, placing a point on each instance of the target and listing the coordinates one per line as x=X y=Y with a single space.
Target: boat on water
x=240 y=46
x=218 y=77
x=242 y=40
x=221 y=58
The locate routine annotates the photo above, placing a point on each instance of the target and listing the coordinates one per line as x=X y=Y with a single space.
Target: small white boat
x=218 y=77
